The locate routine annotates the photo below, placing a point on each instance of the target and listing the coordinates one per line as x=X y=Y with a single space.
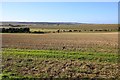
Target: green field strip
x=92 y=56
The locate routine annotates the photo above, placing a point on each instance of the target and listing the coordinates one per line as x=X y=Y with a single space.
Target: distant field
x=81 y=27
x=66 y=27
x=75 y=26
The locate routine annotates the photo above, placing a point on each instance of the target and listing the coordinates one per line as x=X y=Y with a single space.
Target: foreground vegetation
x=25 y=63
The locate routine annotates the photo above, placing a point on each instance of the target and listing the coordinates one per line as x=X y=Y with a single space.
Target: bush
x=38 y=32
x=70 y=30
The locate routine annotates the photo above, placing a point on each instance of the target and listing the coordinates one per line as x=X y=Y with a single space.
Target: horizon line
x=60 y=22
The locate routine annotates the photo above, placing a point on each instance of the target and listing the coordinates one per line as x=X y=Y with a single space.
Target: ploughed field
x=60 y=55
x=96 y=42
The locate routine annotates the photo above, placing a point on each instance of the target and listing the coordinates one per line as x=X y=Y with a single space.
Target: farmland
x=86 y=27
x=62 y=27
x=63 y=40
x=59 y=50
x=99 y=42
x=21 y=63
x=60 y=55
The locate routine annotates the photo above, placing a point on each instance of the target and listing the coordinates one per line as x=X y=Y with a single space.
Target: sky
x=82 y=12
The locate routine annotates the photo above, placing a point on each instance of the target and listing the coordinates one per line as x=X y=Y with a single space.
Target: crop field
x=60 y=55
x=67 y=27
x=98 y=42
x=22 y=63
x=50 y=27
x=75 y=26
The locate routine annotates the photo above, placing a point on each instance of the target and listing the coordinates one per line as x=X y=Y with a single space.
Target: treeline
x=15 y=30
x=18 y=30
x=97 y=30
x=27 y=30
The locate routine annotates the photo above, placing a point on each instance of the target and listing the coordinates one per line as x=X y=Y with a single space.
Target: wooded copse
x=15 y=30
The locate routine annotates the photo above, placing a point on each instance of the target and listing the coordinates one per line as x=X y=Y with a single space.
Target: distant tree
x=38 y=32
x=96 y=30
x=100 y=30
x=58 y=31
x=70 y=30
x=118 y=28
x=91 y=30
x=10 y=25
x=75 y=30
x=64 y=47
x=105 y=29
x=15 y=30
x=3 y=30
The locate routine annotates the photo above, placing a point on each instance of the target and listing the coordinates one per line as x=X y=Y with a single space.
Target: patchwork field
x=60 y=55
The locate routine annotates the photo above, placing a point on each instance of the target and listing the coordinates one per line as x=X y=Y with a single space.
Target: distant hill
x=30 y=23
x=64 y=26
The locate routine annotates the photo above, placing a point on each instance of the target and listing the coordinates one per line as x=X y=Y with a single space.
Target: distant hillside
x=30 y=23
x=62 y=26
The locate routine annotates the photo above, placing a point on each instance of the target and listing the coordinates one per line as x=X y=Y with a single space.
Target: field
x=98 y=42
x=63 y=27
x=60 y=55
x=20 y=63
x=74 y=26
x=79 y=27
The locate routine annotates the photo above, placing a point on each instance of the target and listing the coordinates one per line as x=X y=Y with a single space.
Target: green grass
x=32 y=64
x=88 y=56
